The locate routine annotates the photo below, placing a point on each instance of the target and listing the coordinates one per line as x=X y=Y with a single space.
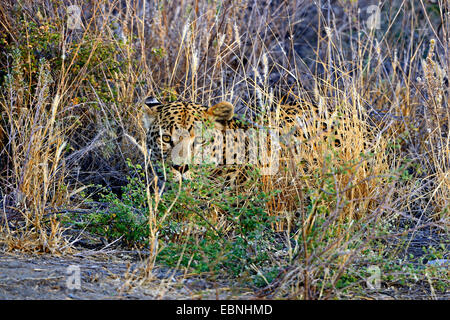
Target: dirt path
x=94 y=271
x=108 y=276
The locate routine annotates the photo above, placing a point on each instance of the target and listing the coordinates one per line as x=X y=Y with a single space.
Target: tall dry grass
x=36 y=168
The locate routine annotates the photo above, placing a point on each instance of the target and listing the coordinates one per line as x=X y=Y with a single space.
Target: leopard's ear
x=149 y=112
x=223 y=111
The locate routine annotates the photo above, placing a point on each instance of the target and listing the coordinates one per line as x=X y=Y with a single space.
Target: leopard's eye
x=166 y=138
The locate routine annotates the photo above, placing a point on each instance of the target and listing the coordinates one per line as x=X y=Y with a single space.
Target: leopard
x=172 y=132
x=179 y=134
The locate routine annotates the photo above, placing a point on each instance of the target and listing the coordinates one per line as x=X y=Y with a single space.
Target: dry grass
x=36 y=167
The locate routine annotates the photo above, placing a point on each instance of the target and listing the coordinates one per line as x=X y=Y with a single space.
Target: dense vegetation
x=331 y=220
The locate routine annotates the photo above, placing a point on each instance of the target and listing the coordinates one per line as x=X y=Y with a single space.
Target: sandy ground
x=116 y=275
x=94 y=271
